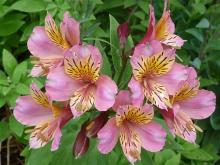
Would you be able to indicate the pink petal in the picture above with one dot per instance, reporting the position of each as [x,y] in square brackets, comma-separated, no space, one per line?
[123,98]
[169,23]
[30,113]
[70,27]
[173,41]
[201,106]
[80,52]
[57,137]
[137,92]
[181,124]
[108,137]
[152,136]
[147,49]
[82,99]
[150,33]
[105,93]
[192,77]
[171,80]
[60,86]
[36,71]
[40,45]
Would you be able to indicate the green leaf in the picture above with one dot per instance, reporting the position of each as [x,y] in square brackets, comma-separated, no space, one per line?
[29,6]
[11,98]
[2,101]
[196,63]
[204,23]
[215,120]
[10,26]
[3,79]
[40,156]
[166,156]
[106,66]
[198,154]
[195,33]
[4,131]
[19,72]
[15,126]
[116,59]
[22,89]
[9,62]
[175,160]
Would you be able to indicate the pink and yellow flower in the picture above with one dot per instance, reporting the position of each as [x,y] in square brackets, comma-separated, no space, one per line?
[155,74]
[134,127]
[80,81]
[47,44]
[163,31]
[38,110]
[189,103]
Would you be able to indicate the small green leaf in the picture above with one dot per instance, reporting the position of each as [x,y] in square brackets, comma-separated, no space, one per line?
[195,33]
[15,126]
[215,120]
[204,23]
[198,154]
[9,62]
[2,101]
[29,6]
[196,63]
[4,131]
[3,79]
[19,72]
[10,26]
[22,89]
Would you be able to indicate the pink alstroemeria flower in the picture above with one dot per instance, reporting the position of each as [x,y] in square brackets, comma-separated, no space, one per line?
[155,74]
[80,81]
[189,103]
[47,44]
[134,127]
[163,31]
[39,111]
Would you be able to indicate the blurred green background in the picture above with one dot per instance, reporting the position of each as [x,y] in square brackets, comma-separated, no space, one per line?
[197,21]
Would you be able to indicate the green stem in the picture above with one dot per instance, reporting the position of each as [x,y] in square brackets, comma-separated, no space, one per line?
[124,63]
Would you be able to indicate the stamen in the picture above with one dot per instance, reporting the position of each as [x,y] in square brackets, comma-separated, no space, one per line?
[84,70]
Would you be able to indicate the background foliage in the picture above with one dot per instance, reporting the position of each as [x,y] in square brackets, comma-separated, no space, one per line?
[197,21]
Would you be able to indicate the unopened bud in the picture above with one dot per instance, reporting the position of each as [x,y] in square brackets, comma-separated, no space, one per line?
[123,33]
[95,125]
[81,144]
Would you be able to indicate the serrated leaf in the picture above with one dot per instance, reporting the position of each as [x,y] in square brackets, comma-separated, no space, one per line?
[29,6]
[9,62]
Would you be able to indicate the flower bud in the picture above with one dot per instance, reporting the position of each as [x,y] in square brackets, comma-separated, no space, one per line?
[123,33]
[81,144]
[96,124]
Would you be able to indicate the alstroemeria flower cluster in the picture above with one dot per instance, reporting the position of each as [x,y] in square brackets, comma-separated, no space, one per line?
[75,85]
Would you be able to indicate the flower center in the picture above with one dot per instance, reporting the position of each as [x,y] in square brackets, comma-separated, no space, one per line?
[133,114]
[84,70]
